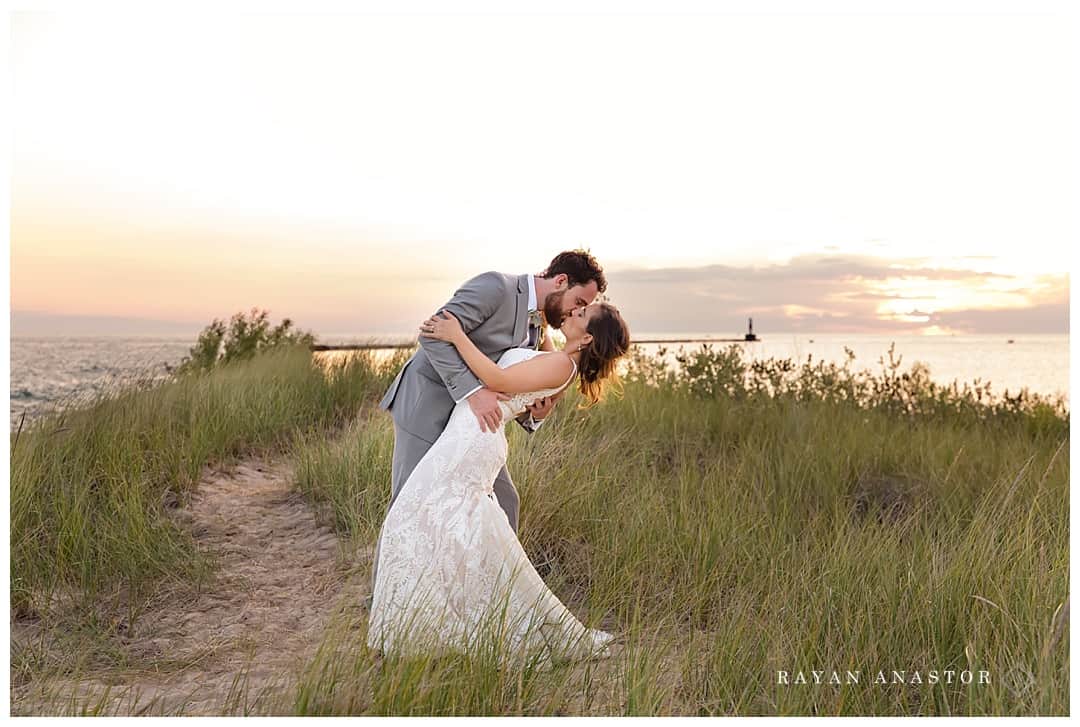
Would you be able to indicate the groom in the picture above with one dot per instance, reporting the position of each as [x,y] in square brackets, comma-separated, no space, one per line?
[497,312]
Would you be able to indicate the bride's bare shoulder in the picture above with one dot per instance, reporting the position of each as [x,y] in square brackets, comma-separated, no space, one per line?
[538,370]
[560,361]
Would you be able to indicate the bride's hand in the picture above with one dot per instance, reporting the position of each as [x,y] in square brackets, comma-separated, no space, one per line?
[447,328]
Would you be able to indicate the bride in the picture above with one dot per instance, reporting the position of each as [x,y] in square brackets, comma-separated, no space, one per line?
[452,575]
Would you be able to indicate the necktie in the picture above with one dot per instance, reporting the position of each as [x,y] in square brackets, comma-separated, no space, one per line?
[535,326]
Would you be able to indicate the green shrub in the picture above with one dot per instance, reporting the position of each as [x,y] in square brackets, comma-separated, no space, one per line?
[245,336]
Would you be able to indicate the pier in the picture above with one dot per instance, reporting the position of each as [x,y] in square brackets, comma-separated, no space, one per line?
[750,336]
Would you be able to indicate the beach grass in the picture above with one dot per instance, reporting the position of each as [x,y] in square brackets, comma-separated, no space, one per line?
[90,485]
[732,522]
[734,534]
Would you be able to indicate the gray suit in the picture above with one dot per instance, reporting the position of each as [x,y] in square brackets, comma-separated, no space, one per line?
[494,311]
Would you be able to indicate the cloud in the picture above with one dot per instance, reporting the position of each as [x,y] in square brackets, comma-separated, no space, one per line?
[841,294]
[813,293]
[1050,318]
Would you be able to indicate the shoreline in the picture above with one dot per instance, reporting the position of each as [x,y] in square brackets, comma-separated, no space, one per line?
[36,390]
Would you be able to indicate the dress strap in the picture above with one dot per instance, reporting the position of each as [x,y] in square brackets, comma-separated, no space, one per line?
[573,373]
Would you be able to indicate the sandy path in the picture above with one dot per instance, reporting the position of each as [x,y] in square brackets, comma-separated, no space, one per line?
[281,578]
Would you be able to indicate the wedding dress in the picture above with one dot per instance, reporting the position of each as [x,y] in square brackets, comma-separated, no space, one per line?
[452,574]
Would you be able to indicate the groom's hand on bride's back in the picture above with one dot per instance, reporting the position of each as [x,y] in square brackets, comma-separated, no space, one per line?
[542,407]
[485,405]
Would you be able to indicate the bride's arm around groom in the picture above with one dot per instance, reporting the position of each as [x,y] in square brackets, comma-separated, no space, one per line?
[485,307]
[436,378]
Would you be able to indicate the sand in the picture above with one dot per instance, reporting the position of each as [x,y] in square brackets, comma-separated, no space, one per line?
[281,577]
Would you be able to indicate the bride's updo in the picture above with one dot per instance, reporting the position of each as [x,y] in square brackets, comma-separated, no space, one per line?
[610,341]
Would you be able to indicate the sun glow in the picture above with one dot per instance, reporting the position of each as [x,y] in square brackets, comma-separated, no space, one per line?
[351,170]
[938,331]
[913,299]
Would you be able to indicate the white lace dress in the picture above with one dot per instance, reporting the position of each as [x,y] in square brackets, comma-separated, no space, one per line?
[452,575]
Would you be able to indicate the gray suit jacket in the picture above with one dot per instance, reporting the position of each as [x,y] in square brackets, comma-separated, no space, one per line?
[494,311]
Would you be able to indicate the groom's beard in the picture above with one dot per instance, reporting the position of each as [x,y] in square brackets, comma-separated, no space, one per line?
[553,314]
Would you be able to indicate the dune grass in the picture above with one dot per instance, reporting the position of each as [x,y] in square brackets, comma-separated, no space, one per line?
[90,485]
[728,521]
[732,529]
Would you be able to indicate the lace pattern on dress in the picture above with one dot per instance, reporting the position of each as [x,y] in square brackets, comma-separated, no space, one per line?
[452,574]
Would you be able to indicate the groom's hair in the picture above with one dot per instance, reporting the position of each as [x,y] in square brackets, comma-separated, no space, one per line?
[579,266]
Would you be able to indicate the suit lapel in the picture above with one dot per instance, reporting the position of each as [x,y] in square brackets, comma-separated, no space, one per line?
[521,319]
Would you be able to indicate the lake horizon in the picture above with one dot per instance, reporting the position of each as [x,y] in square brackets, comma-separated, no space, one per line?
[45,369]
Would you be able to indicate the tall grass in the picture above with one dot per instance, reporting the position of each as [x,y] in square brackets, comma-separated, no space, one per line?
[733,521]
[90,485]
[729,519]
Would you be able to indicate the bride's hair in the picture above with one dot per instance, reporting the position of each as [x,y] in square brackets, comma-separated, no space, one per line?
[596,365]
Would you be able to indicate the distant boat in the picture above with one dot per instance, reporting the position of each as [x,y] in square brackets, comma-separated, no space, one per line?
[811,340]
[1010,341]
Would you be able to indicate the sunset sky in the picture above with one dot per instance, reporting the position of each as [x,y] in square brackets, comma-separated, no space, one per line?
[820,172]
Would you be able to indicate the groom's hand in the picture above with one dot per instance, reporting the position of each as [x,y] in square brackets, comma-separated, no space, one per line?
[542,407]
[485,405]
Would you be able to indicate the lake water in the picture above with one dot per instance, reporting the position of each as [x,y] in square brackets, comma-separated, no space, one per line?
[1038,362]
[45,371]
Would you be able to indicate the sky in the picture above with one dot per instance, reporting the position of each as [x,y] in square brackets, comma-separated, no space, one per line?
[828,172]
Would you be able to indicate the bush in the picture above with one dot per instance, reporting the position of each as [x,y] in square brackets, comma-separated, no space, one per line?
[245,336]
[710,373]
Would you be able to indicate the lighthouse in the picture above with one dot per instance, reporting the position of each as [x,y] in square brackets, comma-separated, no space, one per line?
[750,334]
